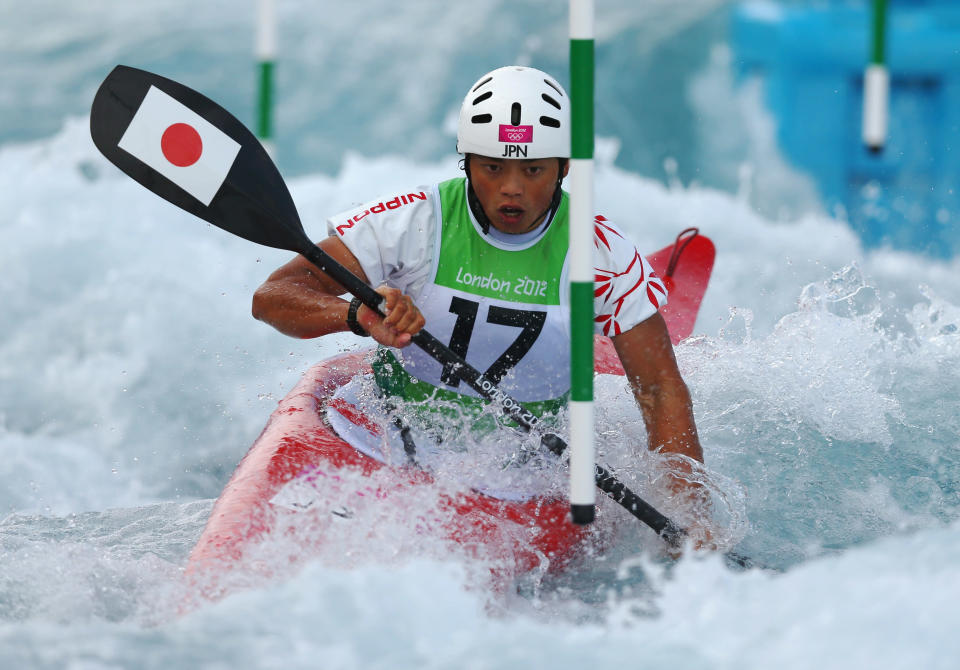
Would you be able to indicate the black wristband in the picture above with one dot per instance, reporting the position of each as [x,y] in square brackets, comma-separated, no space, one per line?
[352,322]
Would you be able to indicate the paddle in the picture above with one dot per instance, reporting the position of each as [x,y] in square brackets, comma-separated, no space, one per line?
[193,153]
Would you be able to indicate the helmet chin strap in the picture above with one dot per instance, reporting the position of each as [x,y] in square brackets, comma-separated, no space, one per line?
[482,217]
[475,205]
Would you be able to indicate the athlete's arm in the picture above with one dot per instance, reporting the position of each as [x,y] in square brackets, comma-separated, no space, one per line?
[301,301]
[647,357]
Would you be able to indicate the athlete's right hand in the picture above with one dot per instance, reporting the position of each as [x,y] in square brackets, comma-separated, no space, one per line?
[402,320]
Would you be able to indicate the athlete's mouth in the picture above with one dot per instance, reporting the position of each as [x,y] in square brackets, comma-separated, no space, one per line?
[511,212]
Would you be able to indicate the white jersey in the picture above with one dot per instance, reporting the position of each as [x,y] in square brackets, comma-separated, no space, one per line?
[395,241]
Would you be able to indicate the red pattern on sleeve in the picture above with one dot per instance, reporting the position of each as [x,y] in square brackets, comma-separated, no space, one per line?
[617,288]
[600,230]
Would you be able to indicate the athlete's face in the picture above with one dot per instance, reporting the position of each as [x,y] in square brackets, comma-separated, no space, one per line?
[515,194]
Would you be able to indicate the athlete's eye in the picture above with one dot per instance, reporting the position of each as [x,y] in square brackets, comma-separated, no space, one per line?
[534,171]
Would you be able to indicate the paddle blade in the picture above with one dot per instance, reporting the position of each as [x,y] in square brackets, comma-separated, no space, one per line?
[692,261]
[190,151]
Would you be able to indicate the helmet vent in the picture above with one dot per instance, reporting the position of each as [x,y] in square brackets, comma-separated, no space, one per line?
[548,83]
[549,121]
[485,81]
[550,100]
[482,118]
[515,114]
[482,97]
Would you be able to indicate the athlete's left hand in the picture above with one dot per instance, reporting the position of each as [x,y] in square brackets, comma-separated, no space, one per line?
[693,495]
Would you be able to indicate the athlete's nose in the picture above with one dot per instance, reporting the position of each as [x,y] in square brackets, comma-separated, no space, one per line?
[511,185]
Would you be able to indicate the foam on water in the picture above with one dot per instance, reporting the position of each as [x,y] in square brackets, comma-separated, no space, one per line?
[132,380]
[886,605]
[132,374]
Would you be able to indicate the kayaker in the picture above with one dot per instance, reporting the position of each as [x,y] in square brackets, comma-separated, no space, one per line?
[480,260]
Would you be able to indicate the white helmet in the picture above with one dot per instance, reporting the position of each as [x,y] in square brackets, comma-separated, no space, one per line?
[515,112]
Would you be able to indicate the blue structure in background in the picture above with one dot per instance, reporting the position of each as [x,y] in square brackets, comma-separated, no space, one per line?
[812,57]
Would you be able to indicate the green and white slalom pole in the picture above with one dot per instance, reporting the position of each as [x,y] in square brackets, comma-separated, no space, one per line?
[582,459]
[876,83]
[266,52]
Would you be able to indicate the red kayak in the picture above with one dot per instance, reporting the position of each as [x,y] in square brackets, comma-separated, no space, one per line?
[299,447]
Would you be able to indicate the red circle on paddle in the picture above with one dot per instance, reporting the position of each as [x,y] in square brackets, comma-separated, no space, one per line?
[181,144]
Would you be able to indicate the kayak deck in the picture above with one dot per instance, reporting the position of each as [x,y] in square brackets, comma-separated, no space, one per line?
[297,440]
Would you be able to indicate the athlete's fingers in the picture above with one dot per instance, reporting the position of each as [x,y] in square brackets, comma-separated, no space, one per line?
[418,325]
[385,330]
[410,320]
[399,309]
[389,298]
[401,318]
[402,314]
[392,304]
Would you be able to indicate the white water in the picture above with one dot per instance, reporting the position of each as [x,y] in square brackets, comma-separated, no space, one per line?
[132,379]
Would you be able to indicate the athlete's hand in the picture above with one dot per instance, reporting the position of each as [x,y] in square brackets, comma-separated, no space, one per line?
[402,320]
[693,496]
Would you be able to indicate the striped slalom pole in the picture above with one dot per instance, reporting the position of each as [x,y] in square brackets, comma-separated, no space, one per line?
[582,459]
[876,83]
[266,52]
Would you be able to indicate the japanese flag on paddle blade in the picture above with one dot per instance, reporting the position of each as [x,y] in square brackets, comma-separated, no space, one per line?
[180,144]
